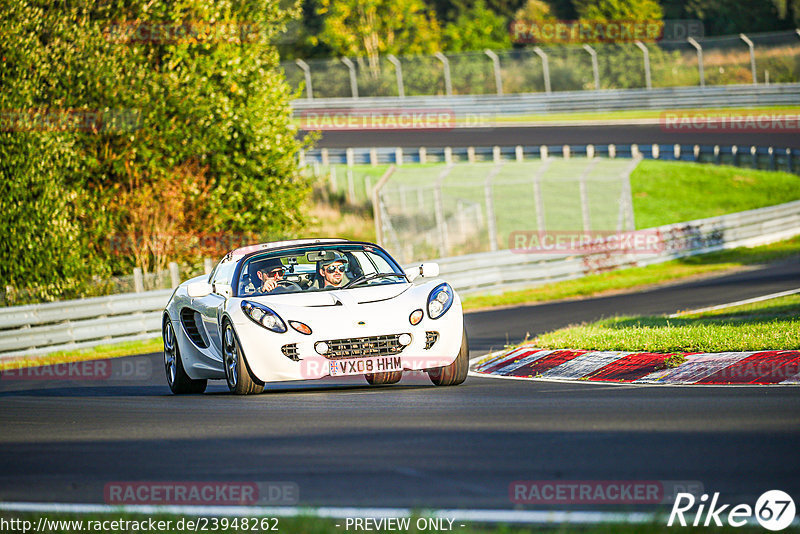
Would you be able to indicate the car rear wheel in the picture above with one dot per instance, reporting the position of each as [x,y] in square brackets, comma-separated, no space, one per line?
[177,379]
[379,379]
[237,374]
[456,372]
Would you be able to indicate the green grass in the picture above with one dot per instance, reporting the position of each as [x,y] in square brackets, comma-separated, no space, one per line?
[100,352]
[639,277]
[670,192]
[313,525]
[767,325]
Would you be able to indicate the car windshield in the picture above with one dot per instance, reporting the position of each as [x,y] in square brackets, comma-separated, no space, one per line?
[318,268]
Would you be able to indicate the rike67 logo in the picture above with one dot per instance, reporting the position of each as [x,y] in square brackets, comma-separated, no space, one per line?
[774,510]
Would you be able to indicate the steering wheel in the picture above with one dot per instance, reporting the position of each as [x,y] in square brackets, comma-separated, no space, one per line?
[288,284]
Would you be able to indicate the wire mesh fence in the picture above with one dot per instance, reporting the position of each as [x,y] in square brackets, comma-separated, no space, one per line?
[450,210]
[713,61]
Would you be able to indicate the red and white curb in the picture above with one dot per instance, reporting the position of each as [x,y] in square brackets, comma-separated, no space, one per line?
[761,367]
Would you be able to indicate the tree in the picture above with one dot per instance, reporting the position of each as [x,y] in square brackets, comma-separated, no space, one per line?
[166,88]
[629,10]
[370,28]
[477,28]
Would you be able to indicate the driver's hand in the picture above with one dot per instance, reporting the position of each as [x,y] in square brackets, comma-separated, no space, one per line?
[269,285]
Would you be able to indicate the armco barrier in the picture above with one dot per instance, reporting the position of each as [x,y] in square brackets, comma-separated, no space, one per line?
[573,101]
[756,157]
[42,328]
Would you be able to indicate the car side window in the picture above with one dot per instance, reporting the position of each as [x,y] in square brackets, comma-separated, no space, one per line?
[223,275]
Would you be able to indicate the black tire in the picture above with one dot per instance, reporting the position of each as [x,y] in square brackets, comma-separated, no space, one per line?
[455,373]
[237,374]
[380,379]
[177,379]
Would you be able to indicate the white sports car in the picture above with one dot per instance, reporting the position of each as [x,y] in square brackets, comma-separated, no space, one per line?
[307,309]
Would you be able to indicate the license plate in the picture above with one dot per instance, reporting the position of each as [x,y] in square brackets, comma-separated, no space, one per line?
[360,366]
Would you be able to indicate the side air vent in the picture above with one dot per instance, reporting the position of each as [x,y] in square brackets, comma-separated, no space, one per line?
[190,320]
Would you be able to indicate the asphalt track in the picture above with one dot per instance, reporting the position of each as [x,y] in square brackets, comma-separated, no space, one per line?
[553,135]
[413,444]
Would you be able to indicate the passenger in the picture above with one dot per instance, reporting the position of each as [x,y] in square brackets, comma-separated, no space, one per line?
[332,271]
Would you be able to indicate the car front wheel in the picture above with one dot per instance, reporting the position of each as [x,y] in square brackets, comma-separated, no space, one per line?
[177,379]
[240,380]
[456,372]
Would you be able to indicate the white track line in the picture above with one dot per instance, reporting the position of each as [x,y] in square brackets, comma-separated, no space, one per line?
[737,303]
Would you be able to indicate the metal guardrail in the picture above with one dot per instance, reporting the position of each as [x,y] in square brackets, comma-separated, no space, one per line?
[41,328]
[757,157]
[507,270]
[571,101]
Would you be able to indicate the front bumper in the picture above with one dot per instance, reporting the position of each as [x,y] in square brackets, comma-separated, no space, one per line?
[269,360]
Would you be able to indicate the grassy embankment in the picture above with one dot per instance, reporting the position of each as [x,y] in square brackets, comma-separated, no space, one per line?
[768,325]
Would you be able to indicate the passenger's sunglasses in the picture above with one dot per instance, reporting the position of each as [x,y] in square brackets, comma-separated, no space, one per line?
[333,268]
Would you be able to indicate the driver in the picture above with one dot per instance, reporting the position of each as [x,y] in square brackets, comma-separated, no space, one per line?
[270,272]
[332,271]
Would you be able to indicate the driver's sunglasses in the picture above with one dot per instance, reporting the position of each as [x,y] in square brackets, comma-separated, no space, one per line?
[276,272]
[333,268]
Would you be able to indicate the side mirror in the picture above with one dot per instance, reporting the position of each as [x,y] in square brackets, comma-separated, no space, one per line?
[199,289]
[429,270]
[425,270]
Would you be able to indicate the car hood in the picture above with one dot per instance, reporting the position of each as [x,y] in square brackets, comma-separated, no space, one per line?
[334,297]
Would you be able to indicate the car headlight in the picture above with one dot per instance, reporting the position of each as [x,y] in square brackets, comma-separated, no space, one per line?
[263,316]
[440,300]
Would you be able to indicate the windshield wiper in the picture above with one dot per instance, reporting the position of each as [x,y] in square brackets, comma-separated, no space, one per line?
[367,278]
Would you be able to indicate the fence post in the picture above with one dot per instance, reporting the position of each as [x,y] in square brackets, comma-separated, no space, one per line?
[351,187]
[324,156]
[376,208]
[448,155]
[647,81]
[749,44]
[699,49]
[423,155]
[398,70]
[398,155]
[307,73]
[587,223]
[174,274]
[498,79]
[471,154]
[373,156]
[349,156]
[518,152]
[595,67]
[448,84]
[545,67]
[538,201]
[496,154]
[438,208]
[138,280]
[491,221]
[353,81]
